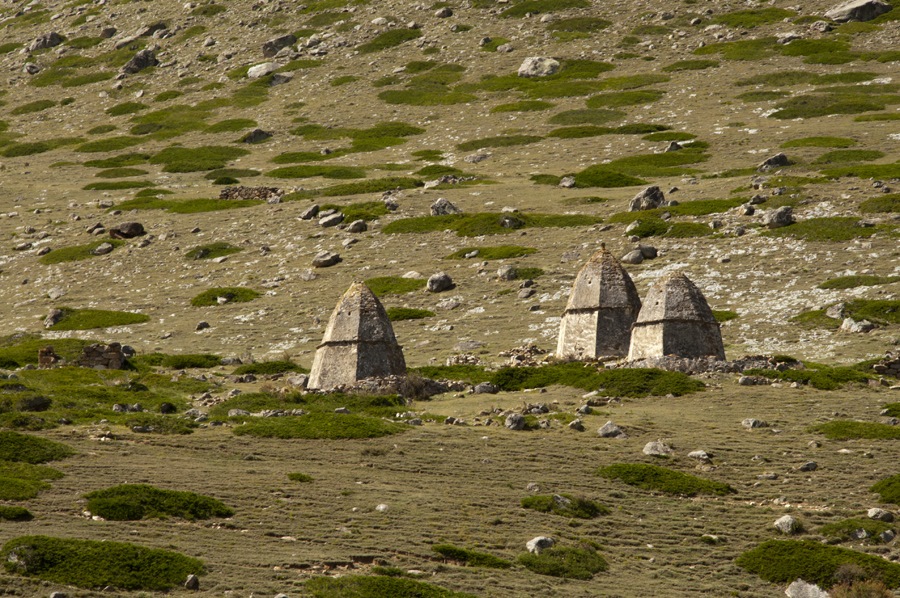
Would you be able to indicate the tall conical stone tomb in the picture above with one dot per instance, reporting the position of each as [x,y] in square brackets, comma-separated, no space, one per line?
[675,319]
[602,307]
[359,343]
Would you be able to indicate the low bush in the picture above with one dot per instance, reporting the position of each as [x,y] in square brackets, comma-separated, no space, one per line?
[833,228]
[368,186]
[91,564]
[368,210]
[885,204]
[858,280]
[125,108]
[849,529]
[501,141]
[19,489]
[474,225]
[783,561]
[118,173]
[190,360]
[32,107]
[565,505]
[619,99]
[470,557]
[211,251]
[268,368]
[15,514]
[131,502]
[398,314]
[26,448]
[632,382]
[819,142]
[231,125]
[183,159]
[304,171]
[661,479]
[762,96]
[520,9]
[724,315]
[598,116]
[117,185]
[888,489]
[880,311]
[747,19]
[153,201]
[394,285]
[818,376]
[88,319]
[300,477]
[852,430]
[320,425]
[472,374]
[523,106]
[499,252]
[130,159]
[567,562]
[110,144]
[376,586]
[865,171]
[75,253]
[150,423]
[848,155]
[230,294]
[388,39]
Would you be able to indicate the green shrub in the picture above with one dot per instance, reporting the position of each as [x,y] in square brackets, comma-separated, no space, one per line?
[818,376]
[388,39]
[131,159]
[501,141]
[753,18]
[19,489]
[783,561]
[31,449]
[850,430]
[125,108]
[472,374]
[110,144]
[834,228]
[866,171]
[661,479]
[470,557]
[117,185]
[473,225]
[117,173]
[859,280]
[597,116]
[208,10]
[848,155]
[394,285]
[523,106]
[232,294]
[885,204]
[368,186]
[499,252]
[565,561]
[91,564]
[32,107]
[231,172]
[319,425]
[378,586]
[540,6]
[624,98]
[75,253]
[724,315]
[425,97]
[307,171]
[88,319]
[160,424]
[268,368]
[131,502]
[578,25]
[398,314]
[182,159]
[847,529]
[300,477]
[815,105]
[819,142]
[565,505]
[190,361]
[632,382]
[211,250]
[15,514]
[888,489]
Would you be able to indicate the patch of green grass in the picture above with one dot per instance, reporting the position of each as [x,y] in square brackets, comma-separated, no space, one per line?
[120,161]
[208,10]
[394,285]
[343,80]
[388,39]
[495,43]
[565,561]
[15,514]
[474,225]
[499,252]
[26,448]
[19,489]
[633,382]
[852,430]
[724,315]
[859,280]
[669,136]
[125,108]
[132,502]
[885,204]
[92,564]
[368,186]
[118,173]
[231,172]
[117,185]
[21,349]
[183,206]
[75,253]
[867,171]
[32,107]
[398,314]
[523,106]
[877,117]
[304,171]
[848,529]
[819,142]
[189,361]
[844,156]
[165,96]
[320,425]
[367,210]
[581,25]
[835,228]
[747,19]
[783,561]
[182,159]
[565,505]
[110,144]
[690,65]
[500,141]
[888,489]
[662,479]
[820,104]
[211,250]
[300,477]
[617,99]
[818,376]
[232,294]
[472,374]
[743,50]
[88,319]
[815,318]
[8,47]
[101,129]
[762,96]
[268,368]
[597,116]
[376,586]
[885,311]
[469,557]
[651,30]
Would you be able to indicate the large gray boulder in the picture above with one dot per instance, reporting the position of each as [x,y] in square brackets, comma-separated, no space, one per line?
[439,282]
[538,66]
[271,47]
[648,199]
[858,10]
[140,61]
[48,40]
[443,207]
[783,216]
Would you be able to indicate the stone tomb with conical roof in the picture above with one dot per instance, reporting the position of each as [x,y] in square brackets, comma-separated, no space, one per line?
[675,319]
[602,307]
[359,343]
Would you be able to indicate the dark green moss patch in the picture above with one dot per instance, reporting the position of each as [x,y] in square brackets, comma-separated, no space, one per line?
[132,502]
[182,159]
[884,204]
[26,448]
[397,314]
[471,558]
[230,294]
[75,253]
[851,430]
[835,228]
[783,561]
[394,285]
[888,489]
[15,514]
[388,39]
[859,280]
[855,529]
[91,564]
[269,368]
[565,505]
[376,586]
[499,252]
[662,479]
[88,319]
[848,155]
[632,382]
[565,561]
[320,425]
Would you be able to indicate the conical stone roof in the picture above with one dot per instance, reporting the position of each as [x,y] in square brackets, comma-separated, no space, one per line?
[359,342]
[601,310]
[675,319]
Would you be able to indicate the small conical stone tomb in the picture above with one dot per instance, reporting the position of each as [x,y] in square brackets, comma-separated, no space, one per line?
[359,343]
[675,320]
[602,307]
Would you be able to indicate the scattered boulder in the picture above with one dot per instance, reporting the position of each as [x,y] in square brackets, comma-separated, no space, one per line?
[357,226]
[859,326]
[140,61]
[486,388]
[657,448]
[192,582]
[443,207]
[801,589]
[751,423]
[634,257]
[809,466]
[326,259]
[788,525]
[783,216]
[699,455]
[331,220]
[127,230]
[256,136]
[515,421]
[271,47]
[439,282]
[48,40]
[507,272]
[443,13]
[310,212]
[611,430]
[53,318]
[648,199]
[261,70]
[103,249]
[538,66]
[880,515]
[536,545]
[858,10]
[776,161]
